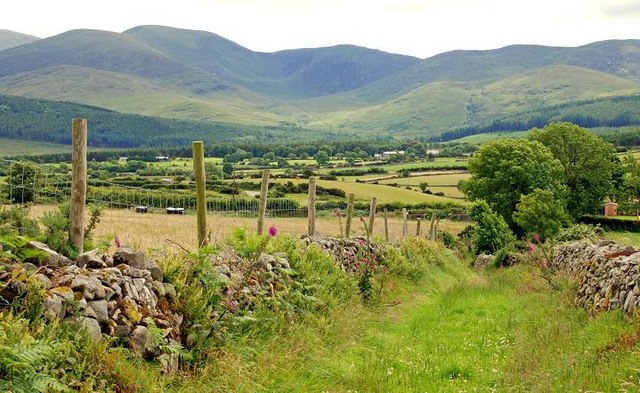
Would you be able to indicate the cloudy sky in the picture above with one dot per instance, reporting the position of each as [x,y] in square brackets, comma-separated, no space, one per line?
[420,28]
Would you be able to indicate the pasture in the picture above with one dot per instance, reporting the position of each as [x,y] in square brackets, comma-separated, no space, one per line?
[159,231]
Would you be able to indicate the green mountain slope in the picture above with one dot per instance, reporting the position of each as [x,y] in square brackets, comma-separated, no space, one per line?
[200,76]
[133,94]
[44,120]
[286,74]
[9,39]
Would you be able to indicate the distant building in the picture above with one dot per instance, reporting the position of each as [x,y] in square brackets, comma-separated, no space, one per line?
[123,159]
[162,158]
[610,209]
[389,154]
[433,152]
[377,156]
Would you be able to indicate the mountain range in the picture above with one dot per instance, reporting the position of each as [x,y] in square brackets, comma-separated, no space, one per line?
[200,76]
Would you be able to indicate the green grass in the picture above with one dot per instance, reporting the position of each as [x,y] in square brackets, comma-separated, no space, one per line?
[445,179]
[467,331]
[385,194]
[624,237]
[479,139]
[15,147]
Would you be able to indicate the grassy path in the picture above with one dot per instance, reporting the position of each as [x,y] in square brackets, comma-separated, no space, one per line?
[464,331]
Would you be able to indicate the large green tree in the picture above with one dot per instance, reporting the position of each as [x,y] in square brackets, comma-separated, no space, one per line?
[503,170]
[542,213]
[587,161]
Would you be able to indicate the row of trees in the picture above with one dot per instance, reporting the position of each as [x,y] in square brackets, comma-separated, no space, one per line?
[558,174]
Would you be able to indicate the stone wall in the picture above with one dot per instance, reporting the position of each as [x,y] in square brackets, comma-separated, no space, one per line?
[121,295]
[608,274]
[348,253]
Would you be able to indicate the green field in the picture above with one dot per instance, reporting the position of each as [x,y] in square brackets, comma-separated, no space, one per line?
[16,147]
[364,191]
[482,138]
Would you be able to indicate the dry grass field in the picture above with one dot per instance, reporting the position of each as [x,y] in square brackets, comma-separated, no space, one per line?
[171,232]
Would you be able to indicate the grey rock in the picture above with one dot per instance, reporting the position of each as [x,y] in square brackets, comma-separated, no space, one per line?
[91,259]
[100,307]
[141,342]
[91,326]
[134,272]
[89,313]
[158,288]
[65,293]
[50,257]
[152,267]
[223,270]
[53,308]
[123,327]
[129,256]
[43,280]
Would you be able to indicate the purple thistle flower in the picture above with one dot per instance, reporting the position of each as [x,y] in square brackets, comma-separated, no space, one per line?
[273,230]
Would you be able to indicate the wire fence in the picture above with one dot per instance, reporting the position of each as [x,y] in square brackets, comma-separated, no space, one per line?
[28,183]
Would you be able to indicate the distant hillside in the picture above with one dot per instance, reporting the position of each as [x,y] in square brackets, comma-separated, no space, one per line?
[9,39]
[612,112]
[200,76]
[43,120]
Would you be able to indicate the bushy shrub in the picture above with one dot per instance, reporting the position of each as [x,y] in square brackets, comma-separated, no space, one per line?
[414,257]
[16,220]
[491,231]
[580,231]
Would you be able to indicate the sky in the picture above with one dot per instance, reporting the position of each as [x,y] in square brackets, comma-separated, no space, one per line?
[412,27]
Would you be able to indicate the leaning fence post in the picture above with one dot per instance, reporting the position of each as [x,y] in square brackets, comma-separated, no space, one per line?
[418,221]
[201,196]
[386,226]
[347,230]
[312,206]
[372,214]
[262,210]
[78,182]
[405,228]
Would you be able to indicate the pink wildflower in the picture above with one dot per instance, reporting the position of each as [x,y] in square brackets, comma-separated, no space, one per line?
[530,249]
[337,212]
[384,269]
[536,238]
[362,219]
[117,241]
[273,230]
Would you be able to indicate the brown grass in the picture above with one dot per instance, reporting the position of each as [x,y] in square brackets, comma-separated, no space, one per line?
[163,232]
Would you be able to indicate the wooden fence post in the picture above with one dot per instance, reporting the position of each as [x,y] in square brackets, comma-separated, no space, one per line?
[435,232]
[372,214]
[78,182]
[386,226]
[431,228]
[312,206]
[347,230]
[418,226]
[201,196]
[264,188]
[405,228]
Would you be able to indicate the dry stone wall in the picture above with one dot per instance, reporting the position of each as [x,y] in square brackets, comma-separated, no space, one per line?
[608,274]
[121,295]
[348,253]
